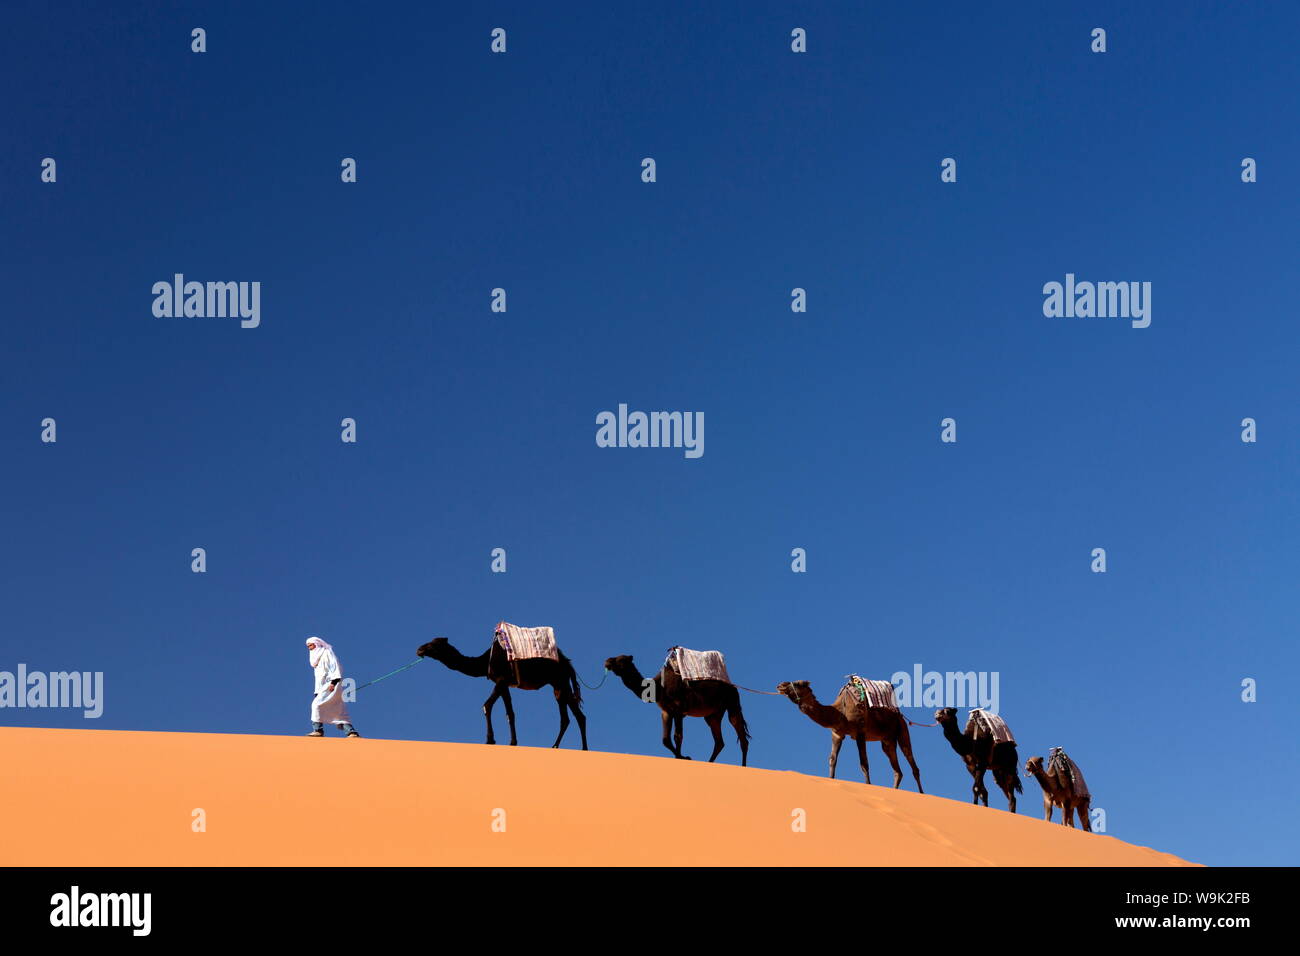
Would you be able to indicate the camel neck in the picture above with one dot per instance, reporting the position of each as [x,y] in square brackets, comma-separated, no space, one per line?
[633,680]
[471,666]
[960,742]
[815,709]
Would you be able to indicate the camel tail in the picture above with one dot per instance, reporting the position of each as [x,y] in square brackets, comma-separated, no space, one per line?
[737,716]
[574,686]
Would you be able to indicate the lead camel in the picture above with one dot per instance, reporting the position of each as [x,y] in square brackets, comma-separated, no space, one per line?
[531,674]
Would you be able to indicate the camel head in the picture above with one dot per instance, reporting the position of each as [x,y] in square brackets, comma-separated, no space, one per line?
[1034,766]
[621,666]
[948,715]
[798,690]
[436,648]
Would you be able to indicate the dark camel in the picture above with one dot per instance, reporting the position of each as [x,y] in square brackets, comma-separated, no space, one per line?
[532,674]
[678,699]
[849,717]
[1060,790]
[980,754]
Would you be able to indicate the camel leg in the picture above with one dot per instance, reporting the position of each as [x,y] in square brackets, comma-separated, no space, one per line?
[668,732]
[487,710]
[1047,808]
[578,716]
[905,743]
[564,716]
[1085,814]
[715,725]
[1009,788]
[862,757]
[890,748]
[742,733]
[510,713]
[980,791]
[836,741]
[677,736]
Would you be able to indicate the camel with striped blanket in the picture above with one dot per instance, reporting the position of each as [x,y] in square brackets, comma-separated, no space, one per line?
[529,674]
[850,716]
[679,698]
[981,751]
[1063,786]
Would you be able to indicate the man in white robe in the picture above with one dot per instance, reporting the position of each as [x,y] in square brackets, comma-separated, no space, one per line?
[327,704]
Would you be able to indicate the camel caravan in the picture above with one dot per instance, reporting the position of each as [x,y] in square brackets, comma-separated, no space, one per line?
[693,683]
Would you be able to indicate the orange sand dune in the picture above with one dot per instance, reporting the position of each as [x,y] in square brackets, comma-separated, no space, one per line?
[94,797]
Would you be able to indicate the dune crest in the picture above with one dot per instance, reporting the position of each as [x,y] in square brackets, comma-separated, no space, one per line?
[124,798]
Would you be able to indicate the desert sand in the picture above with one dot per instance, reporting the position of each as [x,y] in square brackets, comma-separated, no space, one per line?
[121,798]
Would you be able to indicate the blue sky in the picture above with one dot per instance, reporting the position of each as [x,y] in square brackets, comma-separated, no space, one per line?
[476,429]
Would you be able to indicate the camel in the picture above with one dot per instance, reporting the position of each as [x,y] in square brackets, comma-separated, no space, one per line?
[677,699]
[849,717]
[980,753]
[1062,789]
[529,674]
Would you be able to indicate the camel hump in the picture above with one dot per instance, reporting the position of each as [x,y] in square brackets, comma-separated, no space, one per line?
[1065,770]
[527,643]
[983,723]
[872,693]
[698,665]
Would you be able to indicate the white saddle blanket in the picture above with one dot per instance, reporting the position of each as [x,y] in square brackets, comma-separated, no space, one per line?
[992,724]
[526,643]
[699,665]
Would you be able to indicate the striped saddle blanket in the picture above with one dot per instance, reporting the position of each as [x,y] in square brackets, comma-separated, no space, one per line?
[526,643]
[991,724]
[873,693]
[698,665]
[1066,772]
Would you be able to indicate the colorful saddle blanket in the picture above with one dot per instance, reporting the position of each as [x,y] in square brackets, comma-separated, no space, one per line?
[873,693]
[1066,772]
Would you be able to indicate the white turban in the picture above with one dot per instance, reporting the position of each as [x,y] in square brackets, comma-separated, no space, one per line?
[314,653]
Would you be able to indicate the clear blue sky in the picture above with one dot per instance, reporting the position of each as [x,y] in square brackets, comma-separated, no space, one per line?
[476,430]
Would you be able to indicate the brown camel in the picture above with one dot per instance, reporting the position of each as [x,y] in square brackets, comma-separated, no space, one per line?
[1062,787]
[678,699]
[530,674]
[849,717]
[980,753]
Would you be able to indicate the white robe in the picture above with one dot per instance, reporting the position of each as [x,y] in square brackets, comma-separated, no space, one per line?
[327,706]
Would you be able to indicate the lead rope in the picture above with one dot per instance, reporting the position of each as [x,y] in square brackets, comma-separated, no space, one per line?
[389,674]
